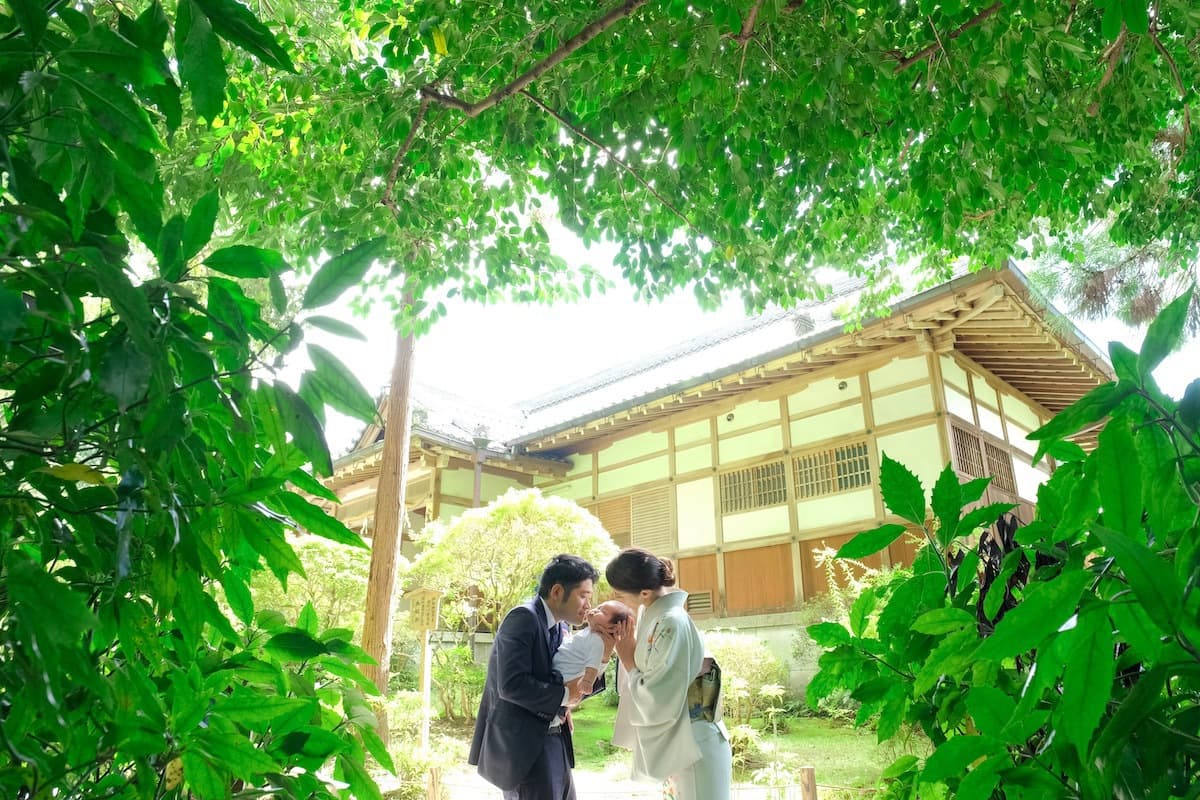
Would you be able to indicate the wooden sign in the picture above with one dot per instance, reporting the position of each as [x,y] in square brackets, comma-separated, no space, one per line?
[423,607]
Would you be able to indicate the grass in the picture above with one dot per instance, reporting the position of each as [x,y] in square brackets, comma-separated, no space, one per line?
[840,754]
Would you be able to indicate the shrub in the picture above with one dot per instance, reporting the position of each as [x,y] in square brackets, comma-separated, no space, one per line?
[746,667]
[459,682]
[750,752]
[1059,658]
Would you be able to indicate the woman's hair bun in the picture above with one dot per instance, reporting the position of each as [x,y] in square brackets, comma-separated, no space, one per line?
[667,571]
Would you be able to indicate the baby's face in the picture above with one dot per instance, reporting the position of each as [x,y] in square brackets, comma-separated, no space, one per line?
[601,617]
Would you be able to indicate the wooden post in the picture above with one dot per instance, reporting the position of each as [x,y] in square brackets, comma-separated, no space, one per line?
[386,528]
[423,616]
[808,783]
[433,785]
[426,680]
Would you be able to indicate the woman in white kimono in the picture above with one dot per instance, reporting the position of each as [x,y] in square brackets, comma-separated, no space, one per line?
[672,740]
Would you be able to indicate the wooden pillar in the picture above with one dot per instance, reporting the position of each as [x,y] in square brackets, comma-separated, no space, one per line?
[389,517]
[808,783]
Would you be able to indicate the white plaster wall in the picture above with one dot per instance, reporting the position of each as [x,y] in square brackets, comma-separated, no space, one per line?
[1028,479]
[822,393]
[652,469]
[695,432]
[845,507]
[898,371]
[578,489]
[954,375]
[747,415]
[989,421]
[847,421]
[755,524]
[1020,412]
[959,404]
[695,505]
[748,445]
[918,449]
[634,446]
[904,404]
[691,459]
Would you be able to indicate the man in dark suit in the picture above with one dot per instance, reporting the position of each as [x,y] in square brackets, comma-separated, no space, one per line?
[522,741]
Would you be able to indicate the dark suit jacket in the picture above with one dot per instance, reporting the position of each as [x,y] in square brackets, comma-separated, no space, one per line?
[521,697]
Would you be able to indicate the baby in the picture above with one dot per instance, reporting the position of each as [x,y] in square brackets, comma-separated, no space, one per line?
[587,652]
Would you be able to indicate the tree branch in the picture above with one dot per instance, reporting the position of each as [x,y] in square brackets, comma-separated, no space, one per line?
[747,32]
[394,172]
[929,50]
[1113,55]
[1187,116]
[613,156]
[590,31]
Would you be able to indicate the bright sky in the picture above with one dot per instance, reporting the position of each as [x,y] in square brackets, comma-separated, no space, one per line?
[501,353]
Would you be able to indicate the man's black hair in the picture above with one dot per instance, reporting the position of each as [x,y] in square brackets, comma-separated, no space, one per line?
[568,570]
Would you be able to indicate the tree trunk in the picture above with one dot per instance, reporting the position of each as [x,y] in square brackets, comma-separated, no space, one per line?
[389,518]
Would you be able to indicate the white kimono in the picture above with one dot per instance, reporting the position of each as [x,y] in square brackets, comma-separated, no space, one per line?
[652,718]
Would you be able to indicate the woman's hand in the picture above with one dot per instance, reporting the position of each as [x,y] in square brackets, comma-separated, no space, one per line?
[626,643]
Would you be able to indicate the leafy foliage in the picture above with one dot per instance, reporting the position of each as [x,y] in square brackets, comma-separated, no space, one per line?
[1061,659]
[488,560]
[149,460]
[731,143]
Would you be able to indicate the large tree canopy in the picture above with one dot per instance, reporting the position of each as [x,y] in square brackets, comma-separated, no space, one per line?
[723,144]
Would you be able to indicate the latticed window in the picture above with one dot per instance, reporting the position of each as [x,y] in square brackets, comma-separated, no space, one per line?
[1000,467]
[835,469]
[968,456]
[753,487]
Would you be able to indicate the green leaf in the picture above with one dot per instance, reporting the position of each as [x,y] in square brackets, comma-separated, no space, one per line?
[251,707]
[125,374]
[954,755]
[860,612]
[338,386]
[1092,407]
[1136,15]
[983,516]
[201,65]
[1044,608]
[944,620]
[336,327]
[307,621]
[376,747]
[1119,476]
[947,504]
[295,645]
[1087,680]
[12,314]
[31,16]
[1166,331]
[170,249]
[828,634]
[306,431]
[872,541]
[990,708]
[117,111]
[316,521]
[198,229]
[1153,581]
[237,593]
[1189,406]
[340,273]
[279,298]
[1125,363]
[204,779]
[237,24]
[902,491]
[362,785]
[75,473]
[244,261]
[900,766]
[307,483]
[236,753]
